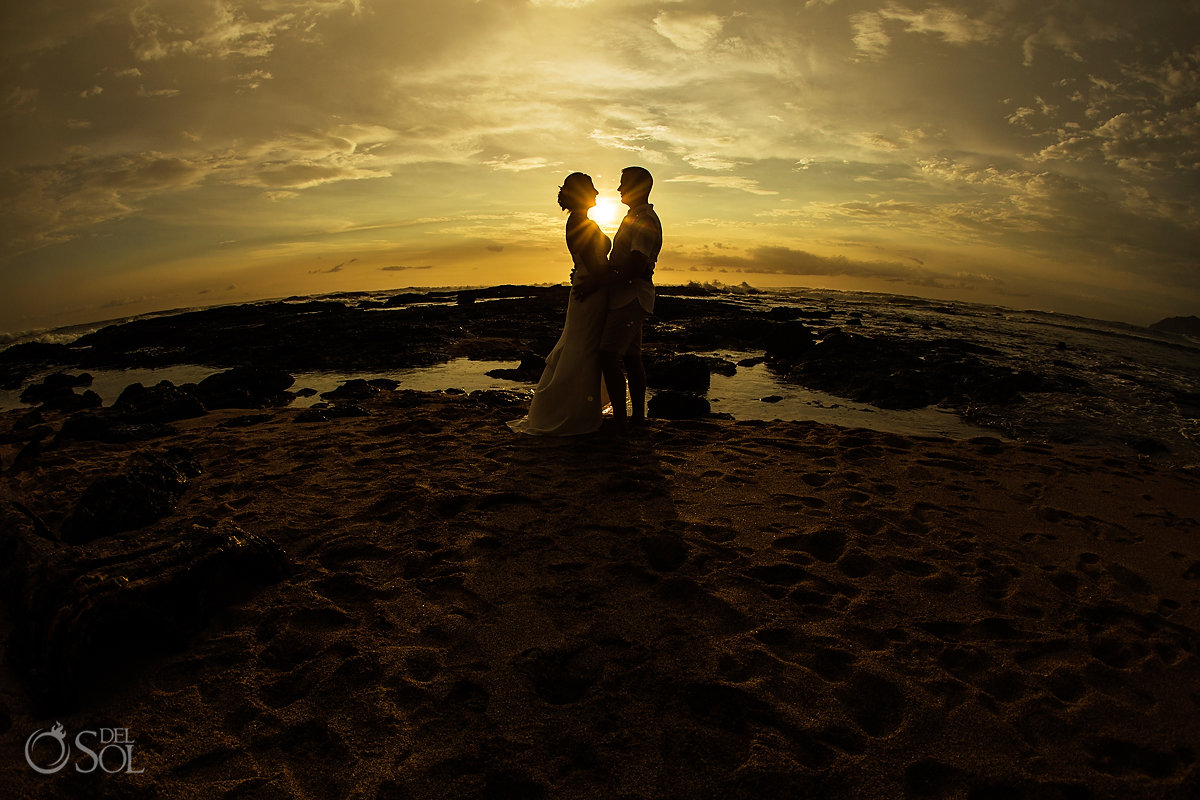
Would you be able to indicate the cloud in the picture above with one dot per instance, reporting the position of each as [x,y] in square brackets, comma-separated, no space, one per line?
[123,301]
[723,182]
[334,269]
[872,40]
[688,31]
[506,163]
[1068,31]
[781,260]
[50,204]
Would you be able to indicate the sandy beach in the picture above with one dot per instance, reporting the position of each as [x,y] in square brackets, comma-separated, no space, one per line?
[701,609]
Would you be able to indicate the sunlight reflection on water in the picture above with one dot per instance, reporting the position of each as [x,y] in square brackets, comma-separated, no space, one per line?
[739,395]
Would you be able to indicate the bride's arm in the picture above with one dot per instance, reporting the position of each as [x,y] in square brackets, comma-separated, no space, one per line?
[594,256]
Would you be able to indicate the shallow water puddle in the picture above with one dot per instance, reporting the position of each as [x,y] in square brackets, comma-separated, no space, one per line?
[740,395]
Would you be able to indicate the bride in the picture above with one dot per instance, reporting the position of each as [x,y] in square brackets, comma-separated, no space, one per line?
[570,394]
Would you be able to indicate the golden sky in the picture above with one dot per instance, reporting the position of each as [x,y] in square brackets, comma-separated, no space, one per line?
[1028,153]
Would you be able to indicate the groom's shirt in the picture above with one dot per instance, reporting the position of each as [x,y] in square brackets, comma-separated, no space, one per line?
[641,230]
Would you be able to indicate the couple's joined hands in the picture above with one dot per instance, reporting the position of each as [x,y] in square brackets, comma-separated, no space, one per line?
[637,266]
[588,285]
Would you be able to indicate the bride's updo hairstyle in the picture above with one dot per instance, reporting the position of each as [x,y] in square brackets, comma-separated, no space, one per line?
[577,193]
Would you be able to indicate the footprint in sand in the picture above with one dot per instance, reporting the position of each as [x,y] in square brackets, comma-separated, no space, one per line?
[826,544]
[562,676]
[874,702]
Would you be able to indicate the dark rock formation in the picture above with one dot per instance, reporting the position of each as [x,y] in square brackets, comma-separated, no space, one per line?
[1185,325]
[28,427]
[686,372]
[147,489]
[106,426]
[56,392]
[19,362]
[786,341]
[335,411]
[529,370]
[901,373]
[497,398]
[668,404]
[789,313]
[82,612]
[163,402]
[246,387]
[361,389]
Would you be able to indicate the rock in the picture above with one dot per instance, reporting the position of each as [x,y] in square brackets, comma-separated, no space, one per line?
[20,361]
[360,389]
[790,313]
[529,370]
[246,387]
[668,404]
[1148,446]
[30,419]
[721,366]
[55,381]
[771,398]
[57,393]
[787,341]
[163,402]
[687,372]
[108,603]
[1186,325]
[353,389]
[106,426]
[497,398]
[146,490]
[336,411]
[902,373]
[246,420]
[21,434]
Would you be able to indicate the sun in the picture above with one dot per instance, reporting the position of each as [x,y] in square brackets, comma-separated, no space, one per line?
[607,211]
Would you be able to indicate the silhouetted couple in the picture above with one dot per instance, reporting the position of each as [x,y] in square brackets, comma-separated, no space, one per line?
[611,295]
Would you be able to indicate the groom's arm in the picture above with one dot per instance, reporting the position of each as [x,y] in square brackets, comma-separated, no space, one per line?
[638,265]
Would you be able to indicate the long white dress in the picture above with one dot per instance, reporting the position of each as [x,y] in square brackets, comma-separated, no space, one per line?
[570,395]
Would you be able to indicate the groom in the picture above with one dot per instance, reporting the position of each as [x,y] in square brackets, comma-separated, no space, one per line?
[635,249]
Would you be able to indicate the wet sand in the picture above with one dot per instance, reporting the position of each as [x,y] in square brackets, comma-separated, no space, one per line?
[705,609]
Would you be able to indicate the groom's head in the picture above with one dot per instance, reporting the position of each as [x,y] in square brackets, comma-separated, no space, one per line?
[635,187]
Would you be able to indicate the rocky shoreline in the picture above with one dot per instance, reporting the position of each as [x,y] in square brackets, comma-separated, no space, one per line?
[814,343]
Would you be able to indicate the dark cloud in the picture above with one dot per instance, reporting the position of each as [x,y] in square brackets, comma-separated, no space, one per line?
[335,268]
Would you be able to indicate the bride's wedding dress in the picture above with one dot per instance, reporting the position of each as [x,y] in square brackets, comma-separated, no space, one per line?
[570,395]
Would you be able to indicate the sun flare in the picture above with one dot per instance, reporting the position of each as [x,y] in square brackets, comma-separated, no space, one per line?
[607,212]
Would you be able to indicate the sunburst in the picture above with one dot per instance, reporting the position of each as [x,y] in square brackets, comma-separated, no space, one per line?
[607,212]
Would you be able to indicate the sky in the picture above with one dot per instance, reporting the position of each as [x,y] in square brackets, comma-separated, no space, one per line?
[1025,153]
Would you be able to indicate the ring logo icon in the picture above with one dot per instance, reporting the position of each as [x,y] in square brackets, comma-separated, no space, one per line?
[108,749]
[59,735]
